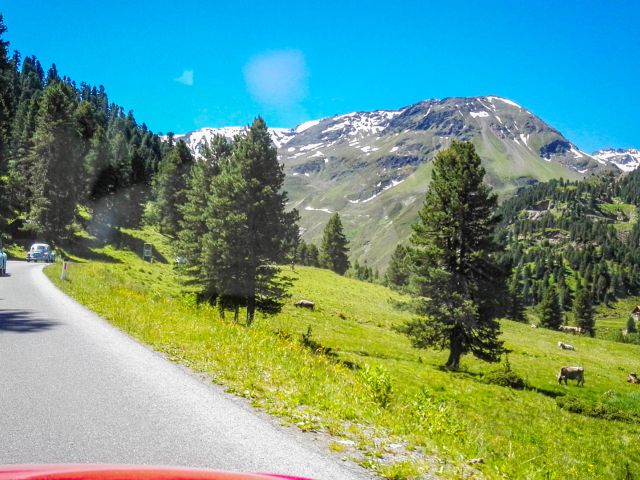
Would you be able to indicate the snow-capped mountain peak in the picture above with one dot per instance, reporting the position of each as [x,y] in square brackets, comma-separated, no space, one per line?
[626,160]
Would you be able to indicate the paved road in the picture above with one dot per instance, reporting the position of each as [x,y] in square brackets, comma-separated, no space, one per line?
[74,389]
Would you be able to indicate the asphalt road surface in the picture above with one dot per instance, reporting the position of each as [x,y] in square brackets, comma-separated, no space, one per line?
[73,389]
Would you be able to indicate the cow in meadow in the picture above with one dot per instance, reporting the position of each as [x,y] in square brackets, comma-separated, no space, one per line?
[571,373]
[305,304]
[570,329]
[565,346]
[633,378]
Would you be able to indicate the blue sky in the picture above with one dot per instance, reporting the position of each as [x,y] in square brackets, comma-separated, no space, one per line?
[184,65]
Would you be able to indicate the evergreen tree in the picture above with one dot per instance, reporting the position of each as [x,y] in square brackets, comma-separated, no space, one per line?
[515,307]
[452,250]
[301,253]
[313,255]
[7,99]
[397,275]
[583,311]
[333,252]
[171,186]
[551,310]
[247,226]
[56,184]
[193,222]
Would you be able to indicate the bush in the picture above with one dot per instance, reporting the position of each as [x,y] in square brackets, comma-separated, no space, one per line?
[596,409]
[378,384]
[506,377]
[435,416]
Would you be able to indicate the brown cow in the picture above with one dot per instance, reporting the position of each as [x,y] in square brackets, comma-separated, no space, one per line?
[305,304]
[570,329]
[633,378]
[571,373]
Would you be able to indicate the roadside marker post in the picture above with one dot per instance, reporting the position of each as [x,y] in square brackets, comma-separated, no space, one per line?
[63,274]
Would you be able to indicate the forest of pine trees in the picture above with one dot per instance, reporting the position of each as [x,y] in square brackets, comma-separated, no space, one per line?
[560,233]
[63,145]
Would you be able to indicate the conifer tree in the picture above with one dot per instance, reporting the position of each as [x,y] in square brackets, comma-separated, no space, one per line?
[171,186]
[56,184]
[7,100]
[333,252]
[551,310]
[301,253]
[313,255]
[515,308]
[452,252]
[198,190]
[247,226]
[583,311]
[397,275]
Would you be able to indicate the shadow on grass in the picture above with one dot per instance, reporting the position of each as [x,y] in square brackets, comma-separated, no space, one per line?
[23,321]
[547,393]
[83,251]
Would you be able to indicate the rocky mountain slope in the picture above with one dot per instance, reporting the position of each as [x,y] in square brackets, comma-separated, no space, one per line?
[374,167]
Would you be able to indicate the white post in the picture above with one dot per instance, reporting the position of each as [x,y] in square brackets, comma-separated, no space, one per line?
[63,274]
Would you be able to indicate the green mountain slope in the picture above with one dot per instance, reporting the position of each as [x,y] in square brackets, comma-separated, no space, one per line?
[373,167]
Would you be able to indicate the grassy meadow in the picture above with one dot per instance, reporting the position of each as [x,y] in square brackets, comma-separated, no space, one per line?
[344,370]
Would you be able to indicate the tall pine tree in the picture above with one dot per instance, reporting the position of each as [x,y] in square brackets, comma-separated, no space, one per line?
[550,309]
[247,226]
[452,251]
[399,269]
[171,186]
[334,247]
[193,222]
[583,311]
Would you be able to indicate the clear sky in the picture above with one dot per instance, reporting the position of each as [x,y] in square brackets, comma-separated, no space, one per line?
[189,64]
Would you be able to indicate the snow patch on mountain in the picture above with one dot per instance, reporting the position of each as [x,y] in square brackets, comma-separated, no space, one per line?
[311,209]
[505,100]
[195,140]
[306,125]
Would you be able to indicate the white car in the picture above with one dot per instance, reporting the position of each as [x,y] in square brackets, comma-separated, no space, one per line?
[40,251]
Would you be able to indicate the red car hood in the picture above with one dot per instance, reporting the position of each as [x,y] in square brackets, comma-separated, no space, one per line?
[123,472]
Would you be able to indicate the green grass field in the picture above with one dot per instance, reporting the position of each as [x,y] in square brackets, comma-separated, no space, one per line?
[387,405]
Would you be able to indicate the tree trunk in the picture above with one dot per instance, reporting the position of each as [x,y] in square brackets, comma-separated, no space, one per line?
[455,351]
[251,309]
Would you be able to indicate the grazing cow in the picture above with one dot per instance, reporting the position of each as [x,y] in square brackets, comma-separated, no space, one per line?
[533,325]
[305,304]
[565,346]
[571,373]
[570,329]
[633,378]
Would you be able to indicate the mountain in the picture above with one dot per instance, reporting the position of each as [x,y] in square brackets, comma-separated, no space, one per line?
[374,167]
[626,160]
